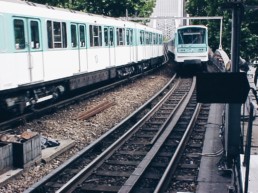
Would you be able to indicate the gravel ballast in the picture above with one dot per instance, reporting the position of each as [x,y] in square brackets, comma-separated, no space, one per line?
[64,125]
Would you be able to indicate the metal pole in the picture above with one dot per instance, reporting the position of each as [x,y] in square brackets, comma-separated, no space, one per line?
[233,128]
[246,161]
[220,35]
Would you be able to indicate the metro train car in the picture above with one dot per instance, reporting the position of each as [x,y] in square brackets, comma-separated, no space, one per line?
[189,48]
[46,51]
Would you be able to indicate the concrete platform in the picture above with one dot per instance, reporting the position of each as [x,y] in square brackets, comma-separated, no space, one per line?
[9,175]
[210,178]
[51,152]
[253,174]
[47,155]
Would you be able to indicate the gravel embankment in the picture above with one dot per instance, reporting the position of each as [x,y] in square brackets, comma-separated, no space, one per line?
[62,124]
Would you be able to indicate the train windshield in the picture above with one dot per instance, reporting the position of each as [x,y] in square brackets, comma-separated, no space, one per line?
[191,36]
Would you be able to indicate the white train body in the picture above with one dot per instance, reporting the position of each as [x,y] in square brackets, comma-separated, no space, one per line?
[190,45]
[41,47]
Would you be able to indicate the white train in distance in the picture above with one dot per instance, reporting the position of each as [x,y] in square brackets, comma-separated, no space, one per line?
[189,48]
[46,51]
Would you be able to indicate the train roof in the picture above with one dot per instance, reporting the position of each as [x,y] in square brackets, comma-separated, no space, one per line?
[25,8]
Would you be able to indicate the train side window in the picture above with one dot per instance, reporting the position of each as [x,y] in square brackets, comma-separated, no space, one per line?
[129,37]
[64,35]
[74,36]
[142,37]
[156,40]
[82,36]
[106,36]
[95,36]
[120,36]
[49,33]
[19,34]
[147,38]
[2,43]
[34,30]
[151,38]
[57,36]
[111,36]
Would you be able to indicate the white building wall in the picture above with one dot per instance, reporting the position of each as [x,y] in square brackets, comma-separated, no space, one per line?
[167,8]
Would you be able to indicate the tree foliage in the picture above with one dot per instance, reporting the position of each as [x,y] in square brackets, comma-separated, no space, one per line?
[249,32]
[114,8]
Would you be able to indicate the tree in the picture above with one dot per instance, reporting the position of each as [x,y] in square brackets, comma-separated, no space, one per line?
[114,8]
[249,33]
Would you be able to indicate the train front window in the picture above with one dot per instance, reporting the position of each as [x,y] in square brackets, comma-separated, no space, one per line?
[191,36]
[19,34]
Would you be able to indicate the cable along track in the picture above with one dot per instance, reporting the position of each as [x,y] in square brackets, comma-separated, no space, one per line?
[113,159]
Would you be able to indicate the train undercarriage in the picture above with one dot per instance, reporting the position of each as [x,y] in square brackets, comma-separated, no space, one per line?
[16,101]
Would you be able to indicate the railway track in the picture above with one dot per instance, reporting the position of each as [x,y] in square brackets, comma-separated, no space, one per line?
[115,161]
[183,175]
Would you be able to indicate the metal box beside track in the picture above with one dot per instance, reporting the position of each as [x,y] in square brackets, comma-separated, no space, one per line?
[6,157]
[27,152]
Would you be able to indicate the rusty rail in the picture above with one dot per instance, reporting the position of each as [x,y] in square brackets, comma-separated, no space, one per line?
[95,110]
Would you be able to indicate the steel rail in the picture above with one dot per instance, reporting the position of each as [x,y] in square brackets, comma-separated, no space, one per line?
[80,177]
[164,178]
[139,171]
[87,149]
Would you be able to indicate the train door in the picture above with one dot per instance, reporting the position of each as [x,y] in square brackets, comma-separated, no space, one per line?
[78,38]
[129,43]
[28,43]
[110,43]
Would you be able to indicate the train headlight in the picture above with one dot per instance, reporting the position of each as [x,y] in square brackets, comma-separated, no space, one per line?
[182,50]
[201,50]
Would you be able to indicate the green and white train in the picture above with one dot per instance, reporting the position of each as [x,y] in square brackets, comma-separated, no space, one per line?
[189,47]
[46,51]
